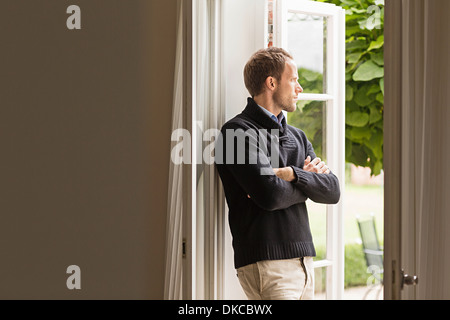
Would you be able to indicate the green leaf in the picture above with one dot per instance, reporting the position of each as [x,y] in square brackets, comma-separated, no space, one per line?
[376,144]
[379,124]
[352,17]
[348,148]
[360,133]
[354,57]
[357,44]
[375,88]
[377,44]
[382,85]
[368,71]
[358,156]
[376,169]
[380,98]
[349,69]
[362,97]
[356,10]
[351,106]
[348,92]
[375,114]
[357,119]
[348,76]
[378,58]
[349,2]
[351,30]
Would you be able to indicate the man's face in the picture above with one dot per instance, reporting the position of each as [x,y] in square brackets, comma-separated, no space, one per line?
[286,94]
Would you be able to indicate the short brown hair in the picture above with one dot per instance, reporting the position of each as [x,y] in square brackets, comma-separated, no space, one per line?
[269,62]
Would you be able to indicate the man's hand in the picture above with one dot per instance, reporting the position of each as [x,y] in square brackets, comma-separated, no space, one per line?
[316,165]
[286,173]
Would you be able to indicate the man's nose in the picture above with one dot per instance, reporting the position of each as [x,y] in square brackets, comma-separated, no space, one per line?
[299,88]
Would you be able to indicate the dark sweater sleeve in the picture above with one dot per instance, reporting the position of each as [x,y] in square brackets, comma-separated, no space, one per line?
[319,187]
[250,167]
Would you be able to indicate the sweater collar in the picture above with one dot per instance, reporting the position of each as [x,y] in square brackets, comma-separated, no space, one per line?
[255,112]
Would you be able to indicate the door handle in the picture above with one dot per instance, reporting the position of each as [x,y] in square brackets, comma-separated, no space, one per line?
[409,280]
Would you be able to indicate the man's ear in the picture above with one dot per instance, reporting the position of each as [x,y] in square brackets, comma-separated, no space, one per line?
[271,83]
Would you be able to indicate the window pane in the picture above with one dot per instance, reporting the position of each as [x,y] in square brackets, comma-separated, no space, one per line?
[307,43]
[270,12]
[317,214]
[310,117]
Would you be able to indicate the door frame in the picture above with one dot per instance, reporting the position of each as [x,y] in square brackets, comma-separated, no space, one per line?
[393,153]
[218,257]
[202,240]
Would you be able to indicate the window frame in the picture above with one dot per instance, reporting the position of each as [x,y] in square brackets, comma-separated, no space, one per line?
[335,123]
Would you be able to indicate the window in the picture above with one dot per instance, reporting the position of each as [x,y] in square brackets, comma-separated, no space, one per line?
[314,33]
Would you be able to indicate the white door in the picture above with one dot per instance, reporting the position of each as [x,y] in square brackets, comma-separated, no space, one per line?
[253,24]
[416,126]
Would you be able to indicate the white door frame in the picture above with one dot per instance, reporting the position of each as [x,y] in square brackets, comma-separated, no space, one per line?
[202,239]
[231,99]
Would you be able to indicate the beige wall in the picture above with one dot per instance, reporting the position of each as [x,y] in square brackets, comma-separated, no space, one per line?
[85,121]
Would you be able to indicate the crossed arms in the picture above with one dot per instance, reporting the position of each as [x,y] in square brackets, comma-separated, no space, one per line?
[314,179]
[286,186]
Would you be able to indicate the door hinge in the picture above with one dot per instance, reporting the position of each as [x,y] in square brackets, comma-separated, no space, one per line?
[393,271]
[184,248]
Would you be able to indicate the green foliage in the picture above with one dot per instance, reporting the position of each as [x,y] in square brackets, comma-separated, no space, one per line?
[309,114]
[364,86]
[355,266]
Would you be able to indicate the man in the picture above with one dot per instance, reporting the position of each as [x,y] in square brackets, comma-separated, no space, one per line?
[272,241]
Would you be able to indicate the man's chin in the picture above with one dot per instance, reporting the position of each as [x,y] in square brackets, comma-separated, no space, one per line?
[291,108]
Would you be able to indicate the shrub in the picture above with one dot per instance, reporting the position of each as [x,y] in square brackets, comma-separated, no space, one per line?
[355,267]
[364,82]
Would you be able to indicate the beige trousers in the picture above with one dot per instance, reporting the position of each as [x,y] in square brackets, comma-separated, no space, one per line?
[289,279]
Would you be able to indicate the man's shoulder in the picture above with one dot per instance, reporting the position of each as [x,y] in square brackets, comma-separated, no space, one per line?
[240,121]
[297,132]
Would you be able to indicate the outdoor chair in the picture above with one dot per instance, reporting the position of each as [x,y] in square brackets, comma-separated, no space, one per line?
[373,252]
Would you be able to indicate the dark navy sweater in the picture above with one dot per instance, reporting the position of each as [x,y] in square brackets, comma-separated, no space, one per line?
[268,217]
